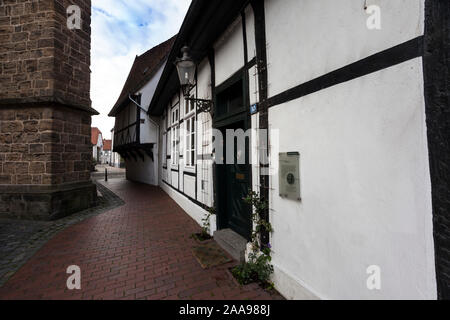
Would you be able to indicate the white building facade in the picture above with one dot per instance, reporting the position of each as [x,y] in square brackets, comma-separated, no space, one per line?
[97,144]
[115,158]
[354,100]
[135,132]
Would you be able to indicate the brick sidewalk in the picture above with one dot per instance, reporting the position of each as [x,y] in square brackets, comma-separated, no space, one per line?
[141,250]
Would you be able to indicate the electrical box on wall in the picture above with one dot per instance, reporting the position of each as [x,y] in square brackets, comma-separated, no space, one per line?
[289,175]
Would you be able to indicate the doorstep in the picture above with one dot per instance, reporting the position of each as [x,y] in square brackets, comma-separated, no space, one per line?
[233,243]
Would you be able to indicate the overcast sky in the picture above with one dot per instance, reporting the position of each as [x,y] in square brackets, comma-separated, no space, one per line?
[122,29]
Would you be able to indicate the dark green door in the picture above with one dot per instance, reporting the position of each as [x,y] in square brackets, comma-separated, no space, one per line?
[236,186]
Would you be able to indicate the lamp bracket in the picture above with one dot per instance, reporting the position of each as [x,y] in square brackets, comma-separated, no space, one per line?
[203,105]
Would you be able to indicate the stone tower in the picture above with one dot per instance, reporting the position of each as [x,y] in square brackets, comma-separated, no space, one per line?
[45,109]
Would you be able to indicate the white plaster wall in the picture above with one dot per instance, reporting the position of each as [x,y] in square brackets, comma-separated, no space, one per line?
[229,52]
[204,80]
[148,90]
[205,172]
[141,171]
[100,141]
[309,38]
[253,85]
[174,180]
[149,129]
[189,186]
[115,159]
[255,154]
[366,194]
[204,146]
[250,31]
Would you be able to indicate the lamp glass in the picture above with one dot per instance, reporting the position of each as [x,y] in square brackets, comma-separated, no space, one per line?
[186,71]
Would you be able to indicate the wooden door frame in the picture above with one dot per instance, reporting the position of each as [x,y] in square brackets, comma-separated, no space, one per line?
[220,194]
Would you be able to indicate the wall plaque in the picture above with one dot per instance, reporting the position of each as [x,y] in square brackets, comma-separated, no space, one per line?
[289,176]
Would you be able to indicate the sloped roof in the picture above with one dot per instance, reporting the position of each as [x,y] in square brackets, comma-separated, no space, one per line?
[107,145]
[95,132]
[144,68]
[205,22]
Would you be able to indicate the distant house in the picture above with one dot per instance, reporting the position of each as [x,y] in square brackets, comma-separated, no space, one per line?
[116,159]
[135,135]
[106,153]
[97,144]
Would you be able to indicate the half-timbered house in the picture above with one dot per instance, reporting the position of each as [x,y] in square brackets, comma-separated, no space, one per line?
[354,151]
[97,144]
[135,132]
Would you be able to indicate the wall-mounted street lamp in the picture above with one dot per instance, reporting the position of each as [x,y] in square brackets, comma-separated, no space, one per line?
[186,68]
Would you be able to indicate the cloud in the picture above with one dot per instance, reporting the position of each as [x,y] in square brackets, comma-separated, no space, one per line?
[122,29]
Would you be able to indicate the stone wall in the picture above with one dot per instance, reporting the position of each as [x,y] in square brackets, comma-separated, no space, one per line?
[40,58]
[45,110]
[44,146]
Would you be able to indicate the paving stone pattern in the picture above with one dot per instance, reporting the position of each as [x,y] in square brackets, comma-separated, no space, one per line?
[141,250]
[21,239]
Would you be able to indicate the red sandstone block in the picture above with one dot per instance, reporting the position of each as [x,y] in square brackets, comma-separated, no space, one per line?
[11,126]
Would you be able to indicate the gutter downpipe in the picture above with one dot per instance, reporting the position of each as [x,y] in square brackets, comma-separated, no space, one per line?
[146,112]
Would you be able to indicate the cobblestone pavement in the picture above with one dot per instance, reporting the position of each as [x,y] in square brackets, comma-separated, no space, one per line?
[141,250]
[20,239]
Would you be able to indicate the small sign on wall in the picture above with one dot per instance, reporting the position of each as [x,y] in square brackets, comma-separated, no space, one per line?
[289,175]
[253,109]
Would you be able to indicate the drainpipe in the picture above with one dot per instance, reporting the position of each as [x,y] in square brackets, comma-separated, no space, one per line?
[135,102]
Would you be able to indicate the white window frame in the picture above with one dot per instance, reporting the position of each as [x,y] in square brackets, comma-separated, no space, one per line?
[189,107]
[169,143]
[164,149]
[175,115]
[175,145]
[190,149]
[175,141]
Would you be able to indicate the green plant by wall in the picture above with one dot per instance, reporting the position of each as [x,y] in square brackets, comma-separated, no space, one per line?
[204,235]
[258,268]
[206,228]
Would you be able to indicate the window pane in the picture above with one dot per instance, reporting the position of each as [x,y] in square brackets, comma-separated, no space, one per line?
[187,142]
